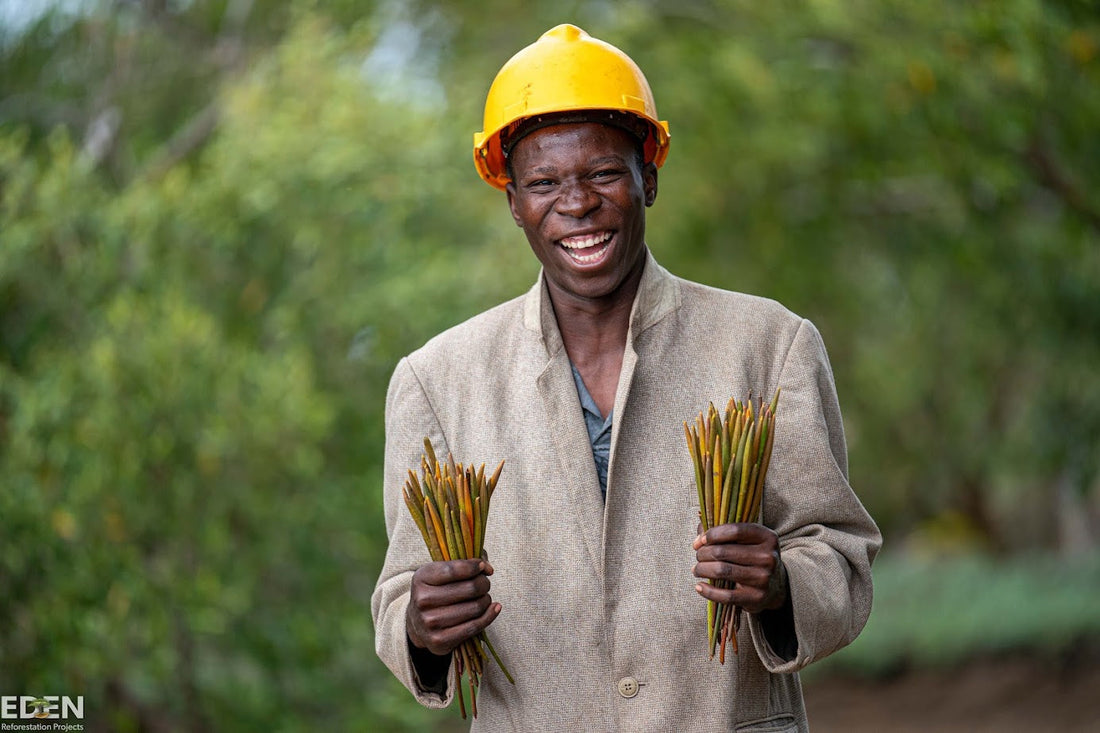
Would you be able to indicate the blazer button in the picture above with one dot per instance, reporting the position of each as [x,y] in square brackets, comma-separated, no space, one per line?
[628,687]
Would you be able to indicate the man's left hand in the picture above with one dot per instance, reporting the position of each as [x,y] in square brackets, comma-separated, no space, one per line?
[745,554]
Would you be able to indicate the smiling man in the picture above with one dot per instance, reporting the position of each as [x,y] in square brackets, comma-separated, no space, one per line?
[581,386]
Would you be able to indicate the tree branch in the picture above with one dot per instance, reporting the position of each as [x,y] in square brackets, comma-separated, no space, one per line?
[229,48]
[1054,177]
[188,139]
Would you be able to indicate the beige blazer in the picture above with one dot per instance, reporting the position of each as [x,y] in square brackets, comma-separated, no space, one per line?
[601,626]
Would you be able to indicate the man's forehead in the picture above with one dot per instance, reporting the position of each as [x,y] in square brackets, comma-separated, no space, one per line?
[613,143]
[544,163]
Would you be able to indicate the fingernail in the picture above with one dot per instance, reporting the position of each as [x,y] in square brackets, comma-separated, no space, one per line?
[698,588]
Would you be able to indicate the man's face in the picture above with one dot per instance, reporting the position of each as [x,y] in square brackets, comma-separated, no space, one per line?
[580,197]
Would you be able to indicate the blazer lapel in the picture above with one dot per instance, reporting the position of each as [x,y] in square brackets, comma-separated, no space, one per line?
[565,423]
[658,295]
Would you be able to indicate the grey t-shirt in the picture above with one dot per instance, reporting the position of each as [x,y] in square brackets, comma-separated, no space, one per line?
[599,429]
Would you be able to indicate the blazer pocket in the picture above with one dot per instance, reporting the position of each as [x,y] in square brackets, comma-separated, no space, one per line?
[784,723]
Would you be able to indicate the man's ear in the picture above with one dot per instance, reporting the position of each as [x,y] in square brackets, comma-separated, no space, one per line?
[510,189]
[649,183]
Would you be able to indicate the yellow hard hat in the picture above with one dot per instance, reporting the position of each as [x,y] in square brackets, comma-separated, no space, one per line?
[565,70]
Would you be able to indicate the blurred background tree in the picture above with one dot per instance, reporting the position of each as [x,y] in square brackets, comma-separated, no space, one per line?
[223,221]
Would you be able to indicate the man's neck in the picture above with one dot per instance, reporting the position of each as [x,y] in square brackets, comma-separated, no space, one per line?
[594,332]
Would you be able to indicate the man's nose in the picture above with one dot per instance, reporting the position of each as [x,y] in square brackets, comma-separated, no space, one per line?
[577,200]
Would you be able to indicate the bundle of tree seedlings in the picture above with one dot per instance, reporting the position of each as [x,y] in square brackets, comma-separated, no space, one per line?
[450,505]
[730,453]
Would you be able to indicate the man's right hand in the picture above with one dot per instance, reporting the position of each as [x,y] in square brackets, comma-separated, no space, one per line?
[449,603]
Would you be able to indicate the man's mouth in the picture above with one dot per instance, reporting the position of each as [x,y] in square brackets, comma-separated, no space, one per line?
[587,248]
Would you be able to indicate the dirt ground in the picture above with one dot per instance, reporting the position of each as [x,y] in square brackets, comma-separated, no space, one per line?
[997,695]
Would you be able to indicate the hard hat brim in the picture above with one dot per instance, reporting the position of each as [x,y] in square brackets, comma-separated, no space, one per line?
[492,164]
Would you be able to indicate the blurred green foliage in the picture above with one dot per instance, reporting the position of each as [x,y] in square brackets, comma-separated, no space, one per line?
[222,222]
[928,614]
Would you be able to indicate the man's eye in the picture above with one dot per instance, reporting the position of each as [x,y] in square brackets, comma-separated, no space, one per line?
[540,182]
[606,173]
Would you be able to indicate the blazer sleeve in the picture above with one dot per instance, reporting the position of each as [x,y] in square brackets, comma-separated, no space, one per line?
[827,539]
[409,419]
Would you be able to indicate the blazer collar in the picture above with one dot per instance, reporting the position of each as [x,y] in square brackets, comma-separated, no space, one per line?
[658,295]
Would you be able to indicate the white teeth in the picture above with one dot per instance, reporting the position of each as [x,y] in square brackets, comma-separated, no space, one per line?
[585,241]
[584,259]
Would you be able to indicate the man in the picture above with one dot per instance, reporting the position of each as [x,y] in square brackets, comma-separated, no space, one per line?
[581,386]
